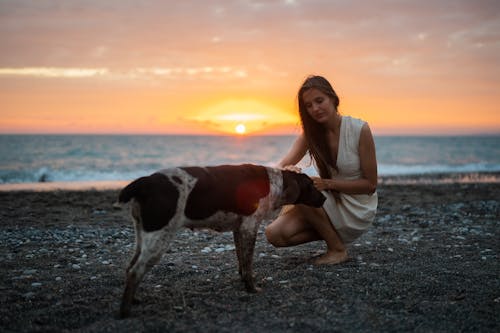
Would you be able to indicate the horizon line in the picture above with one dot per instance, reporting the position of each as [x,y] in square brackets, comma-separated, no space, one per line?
[239,135]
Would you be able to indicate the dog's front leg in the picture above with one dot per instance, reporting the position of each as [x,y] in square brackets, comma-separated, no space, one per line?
[237,245]
[245,238]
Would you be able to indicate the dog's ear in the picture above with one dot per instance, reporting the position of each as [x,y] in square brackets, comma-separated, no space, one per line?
[291,188]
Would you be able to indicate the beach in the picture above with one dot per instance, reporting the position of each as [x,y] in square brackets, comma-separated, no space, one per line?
[428,264]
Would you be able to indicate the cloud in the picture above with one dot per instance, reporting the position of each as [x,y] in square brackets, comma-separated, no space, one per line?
[173,73]
[51,72]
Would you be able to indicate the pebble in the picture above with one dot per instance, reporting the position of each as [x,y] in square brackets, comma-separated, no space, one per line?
[29,272]
[403,240]
[225,248]
[206,250]
[29,295]
[75,266]
[36,284]
[219,249]
[58,278]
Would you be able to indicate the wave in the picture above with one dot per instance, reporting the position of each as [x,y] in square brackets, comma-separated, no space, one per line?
[402,173]
[47,175]
[442,178]
[38,159]
[422,169]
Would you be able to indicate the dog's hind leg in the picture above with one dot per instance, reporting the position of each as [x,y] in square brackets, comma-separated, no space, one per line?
[138,234]
[152,248]
[245,238]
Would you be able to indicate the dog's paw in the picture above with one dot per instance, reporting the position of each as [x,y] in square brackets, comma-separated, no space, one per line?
[257,290]
[251,288]
[124,313]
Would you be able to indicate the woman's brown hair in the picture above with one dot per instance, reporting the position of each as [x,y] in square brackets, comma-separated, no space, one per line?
[315,133]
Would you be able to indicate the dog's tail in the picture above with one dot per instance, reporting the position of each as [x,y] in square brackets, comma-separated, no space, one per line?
[133,190]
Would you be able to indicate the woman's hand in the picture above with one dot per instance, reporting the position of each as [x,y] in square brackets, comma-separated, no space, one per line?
[293,168]
[325,185]
[322,184]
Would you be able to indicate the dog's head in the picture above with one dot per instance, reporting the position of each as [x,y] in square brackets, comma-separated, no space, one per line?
[298,188]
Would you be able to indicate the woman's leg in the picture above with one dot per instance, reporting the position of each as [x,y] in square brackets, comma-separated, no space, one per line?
[291,229]
[304,224]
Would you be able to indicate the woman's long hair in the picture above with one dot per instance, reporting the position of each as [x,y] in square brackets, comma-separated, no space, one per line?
[315,133]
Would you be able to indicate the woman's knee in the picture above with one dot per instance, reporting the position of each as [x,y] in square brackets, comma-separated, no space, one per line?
[274,236]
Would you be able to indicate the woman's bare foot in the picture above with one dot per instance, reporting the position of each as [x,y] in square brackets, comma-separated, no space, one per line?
[332,258]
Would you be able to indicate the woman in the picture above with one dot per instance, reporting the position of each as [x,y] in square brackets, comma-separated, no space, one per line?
[343,152]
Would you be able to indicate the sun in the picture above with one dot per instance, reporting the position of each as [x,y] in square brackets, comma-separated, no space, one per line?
[242,117]
[240,129]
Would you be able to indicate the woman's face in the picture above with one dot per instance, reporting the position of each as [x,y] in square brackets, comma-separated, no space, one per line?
[319,105]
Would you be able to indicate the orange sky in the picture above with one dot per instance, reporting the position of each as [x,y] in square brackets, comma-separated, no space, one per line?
[204,67]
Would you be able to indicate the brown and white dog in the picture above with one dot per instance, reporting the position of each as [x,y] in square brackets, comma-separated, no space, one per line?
[223,198]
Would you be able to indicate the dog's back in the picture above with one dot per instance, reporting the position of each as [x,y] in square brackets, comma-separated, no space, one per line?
[157,197]
[229,188]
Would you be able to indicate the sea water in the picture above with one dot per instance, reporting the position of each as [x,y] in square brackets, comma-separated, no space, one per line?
[76,158]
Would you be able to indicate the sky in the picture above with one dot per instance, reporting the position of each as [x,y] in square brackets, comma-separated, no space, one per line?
[421,67]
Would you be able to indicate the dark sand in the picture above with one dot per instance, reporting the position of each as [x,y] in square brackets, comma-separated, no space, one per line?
[429,264]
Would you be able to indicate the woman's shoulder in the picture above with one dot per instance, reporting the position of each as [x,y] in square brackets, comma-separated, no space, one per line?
[355,121]
[355,124]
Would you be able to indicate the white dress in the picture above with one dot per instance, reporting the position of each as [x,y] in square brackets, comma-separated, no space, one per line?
[352,214]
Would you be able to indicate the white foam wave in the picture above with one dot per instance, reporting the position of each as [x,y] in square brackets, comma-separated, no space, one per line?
[399,170]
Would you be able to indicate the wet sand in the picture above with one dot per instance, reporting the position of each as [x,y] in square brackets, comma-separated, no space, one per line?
[430,263]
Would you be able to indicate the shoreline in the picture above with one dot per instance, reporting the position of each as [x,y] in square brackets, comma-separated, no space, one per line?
[416,179]
[101,185]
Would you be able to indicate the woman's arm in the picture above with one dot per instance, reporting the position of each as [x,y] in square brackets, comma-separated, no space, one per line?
[295,154]
[367,184]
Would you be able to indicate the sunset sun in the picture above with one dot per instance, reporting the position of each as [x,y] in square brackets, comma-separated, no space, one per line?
[242,116]
[240,129]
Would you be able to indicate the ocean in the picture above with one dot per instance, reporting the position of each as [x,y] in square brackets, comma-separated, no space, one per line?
[95,158]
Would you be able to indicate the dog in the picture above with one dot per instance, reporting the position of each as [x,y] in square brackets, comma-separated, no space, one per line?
[223,198]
